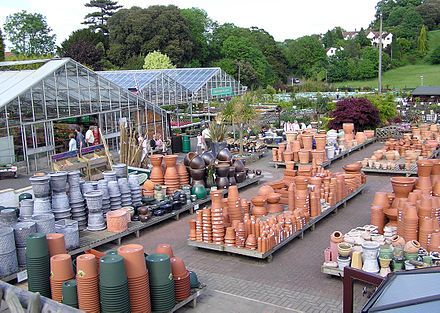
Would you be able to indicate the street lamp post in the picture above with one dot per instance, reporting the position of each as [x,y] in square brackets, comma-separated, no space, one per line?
[380,55]
[421,80]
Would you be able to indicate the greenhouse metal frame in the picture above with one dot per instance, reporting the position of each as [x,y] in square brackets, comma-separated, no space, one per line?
[32,100]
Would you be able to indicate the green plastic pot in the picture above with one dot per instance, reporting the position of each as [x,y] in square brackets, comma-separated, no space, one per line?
[36,246]
[159,269]
[385,252]
[70,296]
[397,265]
[112,271]
[112,252]
[411,256]
[194,280]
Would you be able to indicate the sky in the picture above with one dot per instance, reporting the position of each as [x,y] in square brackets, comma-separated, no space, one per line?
[283,19]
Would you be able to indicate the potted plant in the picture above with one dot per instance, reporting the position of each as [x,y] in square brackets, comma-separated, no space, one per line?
[217,130]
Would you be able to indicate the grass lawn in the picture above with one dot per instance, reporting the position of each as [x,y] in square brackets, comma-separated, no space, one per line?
[402,77]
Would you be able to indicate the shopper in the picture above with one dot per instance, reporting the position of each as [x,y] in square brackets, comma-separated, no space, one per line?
[90,139]
[72,143]
[153,144]
[159,143]
[200,143]
[80,141]
[96,136]
[206,133]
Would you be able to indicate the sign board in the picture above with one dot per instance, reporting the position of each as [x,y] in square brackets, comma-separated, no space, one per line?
[221,91]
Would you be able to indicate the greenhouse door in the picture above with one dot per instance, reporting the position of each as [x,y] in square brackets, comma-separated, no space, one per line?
[38,145]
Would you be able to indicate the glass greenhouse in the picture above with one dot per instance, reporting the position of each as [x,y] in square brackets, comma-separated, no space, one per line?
[43,101]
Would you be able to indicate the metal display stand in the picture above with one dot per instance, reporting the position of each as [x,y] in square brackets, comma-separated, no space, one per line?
[343,154]
[269,254]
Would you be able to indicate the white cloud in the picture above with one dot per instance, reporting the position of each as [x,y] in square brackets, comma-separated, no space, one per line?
[282,18]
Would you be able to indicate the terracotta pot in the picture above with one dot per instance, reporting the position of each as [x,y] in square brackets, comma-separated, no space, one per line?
[296,146]
[348,128]
[304,156]
[402,186]
[290,165]
[164,248]
[56,244]
[274,154]
[397,240]
[61,267]
[381,199]
[336,237]
[352,168]
[301,182]
[377,217]
[288,156]
[87,266]
[424,168]
[378,154]
[178,267]
[412,246]
[321,141]
[265,191]
[134,260]
[307,140]
[233,192]
[273,198]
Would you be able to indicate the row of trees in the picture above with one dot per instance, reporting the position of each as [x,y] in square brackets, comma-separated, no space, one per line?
[119,37]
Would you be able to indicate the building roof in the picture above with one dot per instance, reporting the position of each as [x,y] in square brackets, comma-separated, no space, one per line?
[426,91]
[190,78]
[14,83]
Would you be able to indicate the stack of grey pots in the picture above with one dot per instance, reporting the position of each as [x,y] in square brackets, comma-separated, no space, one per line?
[95,220]
[125,191]
[135,189]
[69,229]
[120,169]
[109,176]
[41,189]
[115,195]
[26,209]
[8,217]
[45,223]
[60,200]
[8,253]
[103,187]
[22,230]
[76,200]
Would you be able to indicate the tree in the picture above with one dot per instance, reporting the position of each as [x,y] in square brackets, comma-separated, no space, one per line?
[327,39]
[156,60]
[200,26]
[386,106]
[84,46]
[138,31]
[29,34]
[359,111]
[97,20]
[2,47]
[422,41]
[362,39]
[435,56]
[429,10]
[306,55]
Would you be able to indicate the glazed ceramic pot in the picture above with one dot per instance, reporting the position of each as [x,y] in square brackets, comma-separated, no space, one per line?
[208,157]
[188,157]
[238,165]
[369,256]
[197,174]
[222,182]
[344,249]
[224,155]
[336,237]
[197,163]
[222,170]
[199,190]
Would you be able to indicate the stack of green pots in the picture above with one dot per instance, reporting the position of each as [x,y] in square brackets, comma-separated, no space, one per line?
[162,294]
[70,296]
[38,264]
[186,144]
[113,284]
[112,252]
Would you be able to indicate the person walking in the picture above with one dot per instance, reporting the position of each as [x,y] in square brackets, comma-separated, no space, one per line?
[80,141]
[72,143]
[200,144]
[90,139]
[206,133]
[97,139]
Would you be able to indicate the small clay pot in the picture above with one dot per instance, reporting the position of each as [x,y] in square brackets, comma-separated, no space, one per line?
[336,237]
[164,248]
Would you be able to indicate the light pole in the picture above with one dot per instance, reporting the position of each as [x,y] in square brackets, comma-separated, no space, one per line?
[421,80]
[380,55]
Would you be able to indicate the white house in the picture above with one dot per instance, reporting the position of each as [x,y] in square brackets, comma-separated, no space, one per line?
[332,51]
[387,38]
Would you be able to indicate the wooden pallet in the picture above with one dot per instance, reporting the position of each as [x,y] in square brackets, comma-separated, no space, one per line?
[334,271]
[191,300]
[269,254]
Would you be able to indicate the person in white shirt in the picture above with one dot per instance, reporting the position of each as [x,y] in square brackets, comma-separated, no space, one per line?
[72,143]
[90,139]
[206,134]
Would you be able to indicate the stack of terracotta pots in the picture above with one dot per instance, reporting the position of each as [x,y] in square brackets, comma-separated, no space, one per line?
[148,188]
[192,230]
[259,206]
[181,277]
[156,175]
[348,132]
[199,225]
[183,174]
[87,277]
[235,211]
[61,270]
[171,177]
[137,275]
[230,237]
[240,235]
[381,204]
[207,225]
[217,220]
[117,221]
[56,244]
[273,205]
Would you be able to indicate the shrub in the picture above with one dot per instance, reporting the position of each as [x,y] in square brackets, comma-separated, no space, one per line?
[386,106]
[359,111]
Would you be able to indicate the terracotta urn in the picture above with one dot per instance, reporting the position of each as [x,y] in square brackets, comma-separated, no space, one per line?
[397,240]
[412,246]
[402,186]
[320,140]
[307,140]
[304,156]
[288,156]
[348,128]
[336,237]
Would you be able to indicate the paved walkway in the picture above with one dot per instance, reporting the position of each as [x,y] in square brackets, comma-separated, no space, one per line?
[292,282]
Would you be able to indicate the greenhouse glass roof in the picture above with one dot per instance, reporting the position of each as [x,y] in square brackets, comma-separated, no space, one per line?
[191,78]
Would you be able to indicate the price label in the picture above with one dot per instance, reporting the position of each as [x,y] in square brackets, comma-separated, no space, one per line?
[196,207]
[22,276]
